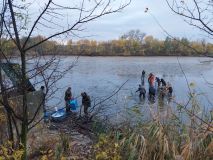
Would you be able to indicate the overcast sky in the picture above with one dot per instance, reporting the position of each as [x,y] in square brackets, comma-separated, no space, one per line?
[114,25]
[134,17]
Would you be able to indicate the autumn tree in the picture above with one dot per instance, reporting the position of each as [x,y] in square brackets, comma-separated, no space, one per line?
[52,19]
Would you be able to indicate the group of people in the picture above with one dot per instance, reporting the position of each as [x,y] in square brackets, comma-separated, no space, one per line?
[86,101]
[155,84]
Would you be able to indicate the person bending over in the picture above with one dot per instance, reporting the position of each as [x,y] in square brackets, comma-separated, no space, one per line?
[158,81]
[142,91]
[163,82]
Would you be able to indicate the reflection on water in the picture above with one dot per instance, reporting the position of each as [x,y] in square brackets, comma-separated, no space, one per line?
[100,76]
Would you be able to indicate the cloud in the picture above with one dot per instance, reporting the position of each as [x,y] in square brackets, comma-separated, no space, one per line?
[132,17]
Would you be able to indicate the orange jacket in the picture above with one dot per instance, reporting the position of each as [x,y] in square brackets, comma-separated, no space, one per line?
[151,80]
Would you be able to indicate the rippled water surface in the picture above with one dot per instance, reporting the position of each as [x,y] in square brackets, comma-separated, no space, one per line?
[100,76]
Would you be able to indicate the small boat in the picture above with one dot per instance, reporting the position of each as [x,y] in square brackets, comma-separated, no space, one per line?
[58,116]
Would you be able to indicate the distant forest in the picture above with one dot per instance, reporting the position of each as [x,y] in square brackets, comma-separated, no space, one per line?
[133,43]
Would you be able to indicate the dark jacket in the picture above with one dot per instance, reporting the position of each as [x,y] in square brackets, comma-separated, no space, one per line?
[141,90]
[68,95]
[170,89]
[86,102]
[158,81]
[163,82]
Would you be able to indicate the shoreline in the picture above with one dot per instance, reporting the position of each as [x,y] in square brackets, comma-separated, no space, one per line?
[172,56]
[209,56]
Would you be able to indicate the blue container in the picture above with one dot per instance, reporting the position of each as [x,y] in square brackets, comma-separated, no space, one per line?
[73,104]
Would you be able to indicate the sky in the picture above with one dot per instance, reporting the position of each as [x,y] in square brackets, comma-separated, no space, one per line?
[114,25]
[134,17]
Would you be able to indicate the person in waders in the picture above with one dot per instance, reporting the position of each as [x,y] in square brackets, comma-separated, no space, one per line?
[86,102]
[170,91]
[67,98]
[163,82]
[158,81]
[143,77]
[142,91]
[152,93]
[151,80]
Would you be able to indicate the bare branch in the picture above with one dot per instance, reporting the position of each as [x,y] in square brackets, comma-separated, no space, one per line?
[200,8]
[36,21]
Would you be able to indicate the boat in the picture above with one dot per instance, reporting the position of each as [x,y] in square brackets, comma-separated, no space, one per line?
[60,114]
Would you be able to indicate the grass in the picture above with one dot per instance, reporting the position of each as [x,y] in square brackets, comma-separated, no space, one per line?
[154,139]
[161,140]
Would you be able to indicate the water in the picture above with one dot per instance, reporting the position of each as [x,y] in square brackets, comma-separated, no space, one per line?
[100,76]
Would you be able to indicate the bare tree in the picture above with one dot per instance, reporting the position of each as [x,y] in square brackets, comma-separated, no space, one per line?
[135,35]
[17,20]
[197,13]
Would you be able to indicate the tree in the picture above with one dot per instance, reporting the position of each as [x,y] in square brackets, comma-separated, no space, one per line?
[135,35]
[196,13]
[168,45]
[15,21]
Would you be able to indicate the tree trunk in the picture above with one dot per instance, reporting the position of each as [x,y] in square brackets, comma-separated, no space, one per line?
[24,130]
[10,128]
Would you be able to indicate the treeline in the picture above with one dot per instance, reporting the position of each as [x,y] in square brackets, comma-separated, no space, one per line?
[131,44]
[148,47]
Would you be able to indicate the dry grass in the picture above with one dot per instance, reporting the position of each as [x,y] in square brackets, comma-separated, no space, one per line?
[172,139]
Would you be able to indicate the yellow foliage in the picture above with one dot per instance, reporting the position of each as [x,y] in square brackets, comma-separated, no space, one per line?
[7,152]
[63,158]
[2,118]
[44,157]
[209,149]
[107,149]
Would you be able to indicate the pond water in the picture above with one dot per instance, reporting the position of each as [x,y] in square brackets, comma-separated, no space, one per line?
[100,76]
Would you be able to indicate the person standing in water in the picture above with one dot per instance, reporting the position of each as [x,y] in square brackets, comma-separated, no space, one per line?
[170,90]
[142,91]
[163,82]
[158,81]
[152,90]
[151,80]
[142,77]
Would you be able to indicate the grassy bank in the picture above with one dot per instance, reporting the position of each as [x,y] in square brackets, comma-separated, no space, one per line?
[167,138]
